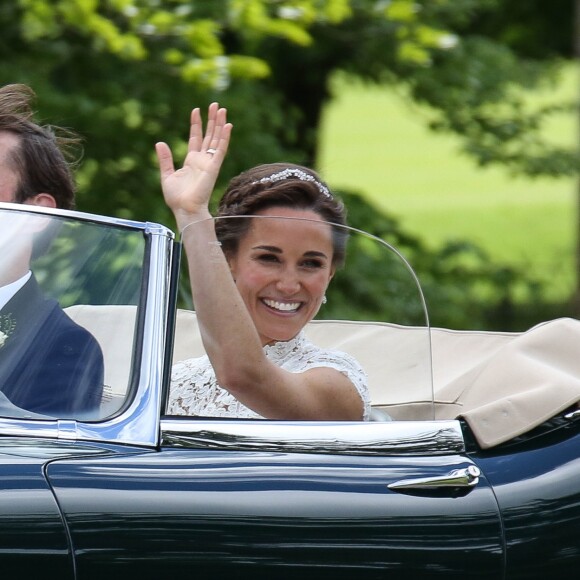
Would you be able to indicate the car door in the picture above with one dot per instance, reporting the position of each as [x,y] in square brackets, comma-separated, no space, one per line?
[32,533]
[243,499]
[240,498]
[536,479]
[34,540]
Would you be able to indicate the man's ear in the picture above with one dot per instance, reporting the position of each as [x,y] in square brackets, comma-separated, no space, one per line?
[41,199]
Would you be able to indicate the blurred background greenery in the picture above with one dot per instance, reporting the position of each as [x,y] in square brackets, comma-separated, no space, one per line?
[436,191]
[449,126]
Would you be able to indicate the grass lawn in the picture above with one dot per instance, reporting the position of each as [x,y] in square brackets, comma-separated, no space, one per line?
[376,143]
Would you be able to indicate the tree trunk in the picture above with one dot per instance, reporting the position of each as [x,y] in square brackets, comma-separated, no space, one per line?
[576,48]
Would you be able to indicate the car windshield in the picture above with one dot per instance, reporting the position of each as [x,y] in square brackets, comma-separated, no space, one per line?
[65,284]
[374,310]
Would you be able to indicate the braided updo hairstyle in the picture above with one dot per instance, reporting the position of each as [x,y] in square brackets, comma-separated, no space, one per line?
[296,187]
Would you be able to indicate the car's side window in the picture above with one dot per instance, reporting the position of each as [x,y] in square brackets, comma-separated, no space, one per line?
[396,359]
[105,300]
[373,311]
[68,327]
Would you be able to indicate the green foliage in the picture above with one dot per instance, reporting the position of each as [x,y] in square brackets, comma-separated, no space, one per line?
[125,74]
[477,91]
[463,287]
[90,264]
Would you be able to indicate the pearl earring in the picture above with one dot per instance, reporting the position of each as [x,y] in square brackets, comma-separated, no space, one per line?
[324,300]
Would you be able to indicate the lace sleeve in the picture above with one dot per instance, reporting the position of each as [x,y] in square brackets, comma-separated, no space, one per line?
[194,391]
[348,366]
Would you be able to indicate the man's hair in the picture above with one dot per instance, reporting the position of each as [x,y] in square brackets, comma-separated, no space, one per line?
[41,160]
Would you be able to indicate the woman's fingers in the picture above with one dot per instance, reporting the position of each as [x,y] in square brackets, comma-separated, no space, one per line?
[223,140]
[217,135]
[187,190]
[165,160]
[195,131]
[203,150]
[212,113]
[200,141]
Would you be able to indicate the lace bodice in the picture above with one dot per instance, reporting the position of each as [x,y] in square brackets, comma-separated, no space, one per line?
[194,389]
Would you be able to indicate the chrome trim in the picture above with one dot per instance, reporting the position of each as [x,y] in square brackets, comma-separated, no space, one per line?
[572,415]
[459,478]
[157,229]
[67,429]
[148,227]
[139,423]
[344,438]
[29,427]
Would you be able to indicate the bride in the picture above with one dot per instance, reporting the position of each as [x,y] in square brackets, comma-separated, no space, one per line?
[256,283]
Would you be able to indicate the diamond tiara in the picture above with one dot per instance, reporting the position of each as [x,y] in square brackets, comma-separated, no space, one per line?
[298,173]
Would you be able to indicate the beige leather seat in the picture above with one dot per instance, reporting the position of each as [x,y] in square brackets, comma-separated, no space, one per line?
[502,383]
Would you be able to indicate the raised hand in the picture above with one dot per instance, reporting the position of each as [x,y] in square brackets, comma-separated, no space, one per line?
[187,190]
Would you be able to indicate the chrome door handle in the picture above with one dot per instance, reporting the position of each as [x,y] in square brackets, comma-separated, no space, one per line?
[466,477]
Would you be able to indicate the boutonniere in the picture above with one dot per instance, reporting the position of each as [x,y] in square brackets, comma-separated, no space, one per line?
[7,325]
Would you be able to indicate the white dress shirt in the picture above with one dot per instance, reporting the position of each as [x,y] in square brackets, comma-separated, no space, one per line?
[8,291]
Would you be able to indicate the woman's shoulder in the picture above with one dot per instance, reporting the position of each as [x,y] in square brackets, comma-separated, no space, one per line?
[189,368]
[312,356]
[311,353]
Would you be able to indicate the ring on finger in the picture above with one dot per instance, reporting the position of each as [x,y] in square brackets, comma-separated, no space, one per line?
[211,151]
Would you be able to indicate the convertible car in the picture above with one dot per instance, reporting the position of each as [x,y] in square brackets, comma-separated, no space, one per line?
[469,466]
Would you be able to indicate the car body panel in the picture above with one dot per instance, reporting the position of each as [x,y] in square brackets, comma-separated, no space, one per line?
[33,534]
[539,497]
[264,513]
[137,420]
[131,491]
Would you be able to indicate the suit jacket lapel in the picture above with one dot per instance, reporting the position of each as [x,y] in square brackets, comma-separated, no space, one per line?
[29,311]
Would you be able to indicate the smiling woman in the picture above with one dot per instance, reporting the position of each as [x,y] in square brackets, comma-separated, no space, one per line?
[256,282]
[282,269]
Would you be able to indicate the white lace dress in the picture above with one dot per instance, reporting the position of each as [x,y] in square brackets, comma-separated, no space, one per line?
[194,389]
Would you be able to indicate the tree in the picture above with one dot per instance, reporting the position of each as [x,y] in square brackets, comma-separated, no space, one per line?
[125,73]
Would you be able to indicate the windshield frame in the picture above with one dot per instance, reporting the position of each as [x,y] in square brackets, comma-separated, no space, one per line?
[137,421]
[427,398]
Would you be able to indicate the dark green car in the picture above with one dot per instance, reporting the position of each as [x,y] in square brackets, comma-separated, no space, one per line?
[475,475]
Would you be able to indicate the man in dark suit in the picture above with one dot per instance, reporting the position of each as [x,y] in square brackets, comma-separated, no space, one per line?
[48,364]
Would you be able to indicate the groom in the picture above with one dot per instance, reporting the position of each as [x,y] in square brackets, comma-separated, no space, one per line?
[48,364]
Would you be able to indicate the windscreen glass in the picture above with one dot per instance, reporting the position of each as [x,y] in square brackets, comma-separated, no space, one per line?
[369,309]
[69,294]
